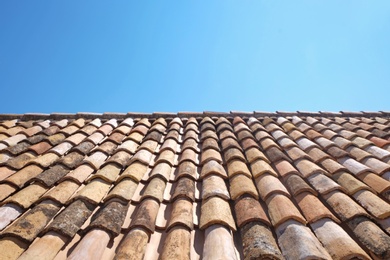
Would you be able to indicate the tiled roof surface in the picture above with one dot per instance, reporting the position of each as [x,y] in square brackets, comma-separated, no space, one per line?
[195,186]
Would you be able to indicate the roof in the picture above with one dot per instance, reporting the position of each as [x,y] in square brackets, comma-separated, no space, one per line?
[293,185]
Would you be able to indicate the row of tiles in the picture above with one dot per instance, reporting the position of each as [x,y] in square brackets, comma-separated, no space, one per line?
[241,187]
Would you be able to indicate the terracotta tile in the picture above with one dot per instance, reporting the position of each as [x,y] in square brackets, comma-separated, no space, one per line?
[376,182]
[154,136]
[62,192]
[210,154]
[169,144]
[241,185]
[80,173]
[133,245]
[295,135]
[76,138]
[318,155]
[349,182]
[155,189]
[370,235]
[52,175]
[233,153]
[210,215]
[46,160]
[254,154]
[208,134]
[373,204]
[213,167]
[296,154]
[312,208]
[325,143]
[376,165]
[190,144]
[289,127]
[261,135]
[15,150]
[110,218]
[241,127]
[123,129]
[134,171]
[93,192]
[27,196]
[142,129]
[109,173]
[258,242]
[123,190]
[230,142]
[279,134]
[129,146]
[11,248]
[281,209]
[187,168]
[248,209]
[336,241]
[323,184]
[224,126]
[192,134]
[275,155]
[361,142]
[135,136]
[6,172]
[332,166]
[40,250]
[313,134]
[163,170]
[297,185]
[91,246]
[244,135]
[249,143]
[382,143]
[226,134]
[207,126]
[298,242]
[305,144]
[6,190]
[336,152]
[344,206]
[62,148]
[143,156]
[8,213]
[30,224]
[238,167]
[285,168]
[177,244]
[120,158]
[378,152]
[218,244]
[268,184]
[182,214]
[84,147]
[13,140]
[70,220]
[185,188]
[56,139]
[149,145]
[20,161]
[287,143]
[107,147]
[308,168]
[189,155]
[146,215]
[22,176]
[214,185]
[267,143]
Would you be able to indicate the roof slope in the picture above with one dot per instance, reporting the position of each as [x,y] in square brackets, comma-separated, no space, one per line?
[195,185]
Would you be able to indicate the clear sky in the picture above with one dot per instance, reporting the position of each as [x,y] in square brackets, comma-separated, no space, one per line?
[170,56]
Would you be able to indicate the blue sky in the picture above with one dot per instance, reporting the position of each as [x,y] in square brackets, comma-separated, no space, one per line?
[170,56]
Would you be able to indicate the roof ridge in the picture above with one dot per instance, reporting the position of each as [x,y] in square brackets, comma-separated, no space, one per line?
[183,114]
